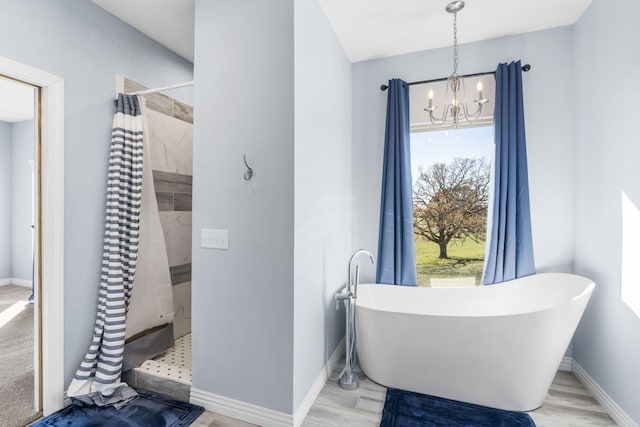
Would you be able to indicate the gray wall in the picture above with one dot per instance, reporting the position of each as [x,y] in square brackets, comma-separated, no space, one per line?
[86,46]
[289,228]
[5,200]
[322,192]
[548,97]
[242,320]
[22,148]
[16,149]
[607,152]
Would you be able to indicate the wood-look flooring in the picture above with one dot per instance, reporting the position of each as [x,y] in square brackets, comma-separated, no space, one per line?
[568,404]
[211,419]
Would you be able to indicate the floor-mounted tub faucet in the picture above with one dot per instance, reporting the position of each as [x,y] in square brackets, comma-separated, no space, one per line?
[348,379]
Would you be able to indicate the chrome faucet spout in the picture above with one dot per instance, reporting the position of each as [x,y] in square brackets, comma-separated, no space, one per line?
[352,281]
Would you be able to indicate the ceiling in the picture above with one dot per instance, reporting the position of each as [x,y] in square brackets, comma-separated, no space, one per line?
[18,101]
[367,29]
[169,22]
[370,29]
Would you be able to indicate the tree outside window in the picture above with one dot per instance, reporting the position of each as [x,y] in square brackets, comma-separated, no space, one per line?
[451,174]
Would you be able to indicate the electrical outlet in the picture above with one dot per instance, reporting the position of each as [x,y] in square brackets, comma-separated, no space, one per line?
[215,239]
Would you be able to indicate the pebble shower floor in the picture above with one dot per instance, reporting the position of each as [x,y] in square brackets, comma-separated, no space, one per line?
[174,364]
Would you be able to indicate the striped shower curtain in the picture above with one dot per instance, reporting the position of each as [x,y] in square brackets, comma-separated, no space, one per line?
[97,380]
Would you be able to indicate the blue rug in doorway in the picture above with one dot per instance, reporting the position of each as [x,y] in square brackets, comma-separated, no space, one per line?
[149,409]
[408,409]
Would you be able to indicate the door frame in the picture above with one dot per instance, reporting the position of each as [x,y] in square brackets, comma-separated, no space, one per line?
[49,265]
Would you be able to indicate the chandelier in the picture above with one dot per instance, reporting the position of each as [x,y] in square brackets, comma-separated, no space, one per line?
[455,112]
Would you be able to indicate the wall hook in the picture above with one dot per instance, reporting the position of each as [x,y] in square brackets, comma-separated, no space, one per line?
[249,173]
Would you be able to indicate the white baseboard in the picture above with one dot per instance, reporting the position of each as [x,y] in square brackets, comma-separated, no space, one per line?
[240,410]
[263,416]
[317,386]
[566,364]
[21,282]
[615,411]
[16,282]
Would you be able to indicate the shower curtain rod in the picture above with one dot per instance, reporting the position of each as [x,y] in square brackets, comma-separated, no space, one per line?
[525,68]
[161,89]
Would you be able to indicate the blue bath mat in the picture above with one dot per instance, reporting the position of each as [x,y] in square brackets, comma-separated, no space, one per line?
[149,409]
[408,409]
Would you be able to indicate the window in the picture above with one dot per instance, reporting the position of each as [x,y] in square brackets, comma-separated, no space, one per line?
[450,171]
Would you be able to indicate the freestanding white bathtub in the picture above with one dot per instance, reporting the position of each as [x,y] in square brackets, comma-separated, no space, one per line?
[497,345]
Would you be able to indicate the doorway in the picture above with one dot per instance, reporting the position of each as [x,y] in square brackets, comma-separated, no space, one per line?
[48,233]
[19,305]
[164,365]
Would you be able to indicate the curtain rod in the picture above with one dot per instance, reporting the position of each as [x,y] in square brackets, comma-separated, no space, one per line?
[161,89]
[525,68]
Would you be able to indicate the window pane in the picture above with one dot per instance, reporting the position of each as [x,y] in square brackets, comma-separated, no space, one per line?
[450,174]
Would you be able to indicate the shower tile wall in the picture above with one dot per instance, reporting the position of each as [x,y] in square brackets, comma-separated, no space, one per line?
[170,127]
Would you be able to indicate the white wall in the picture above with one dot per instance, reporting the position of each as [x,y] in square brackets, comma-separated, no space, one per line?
[322,192]
[22,149]
[5,200]
[548,102]
[607,63]
[87,47]
[243,297]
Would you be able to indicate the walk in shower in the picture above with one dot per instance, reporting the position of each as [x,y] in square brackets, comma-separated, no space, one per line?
[158,347]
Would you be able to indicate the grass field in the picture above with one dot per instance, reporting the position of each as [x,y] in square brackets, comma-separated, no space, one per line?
[465,259]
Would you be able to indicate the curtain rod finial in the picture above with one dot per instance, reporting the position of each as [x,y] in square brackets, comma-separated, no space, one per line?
[384,87]
[526,67]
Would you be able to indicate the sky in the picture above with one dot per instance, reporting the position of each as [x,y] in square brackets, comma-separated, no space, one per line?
[442,146]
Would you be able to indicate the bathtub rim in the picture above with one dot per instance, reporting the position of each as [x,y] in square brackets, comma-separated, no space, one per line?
[587,290]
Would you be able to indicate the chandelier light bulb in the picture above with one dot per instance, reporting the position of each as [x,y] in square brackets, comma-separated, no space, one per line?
[430,98]
[456,113]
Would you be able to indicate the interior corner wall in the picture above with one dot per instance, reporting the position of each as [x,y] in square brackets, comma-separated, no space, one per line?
[607,213]
[87,47]
[5,200]
[243,297]
[22,150]
[548,98]
[322,192]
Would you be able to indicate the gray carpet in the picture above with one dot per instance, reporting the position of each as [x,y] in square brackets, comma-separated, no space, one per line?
[16,361]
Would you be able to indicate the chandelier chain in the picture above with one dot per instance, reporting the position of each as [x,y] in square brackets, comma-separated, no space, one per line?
[456,57]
